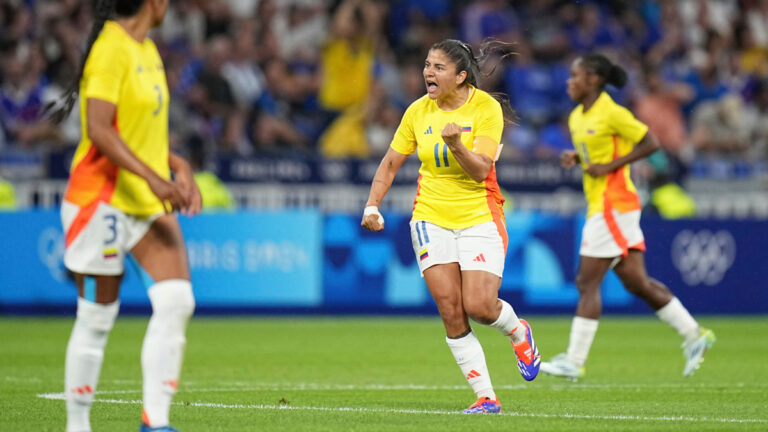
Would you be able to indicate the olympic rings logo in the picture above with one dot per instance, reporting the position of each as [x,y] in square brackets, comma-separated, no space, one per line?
[703,257]
[50,249]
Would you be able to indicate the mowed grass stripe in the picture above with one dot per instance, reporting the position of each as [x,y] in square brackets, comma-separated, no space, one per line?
[60,396]
[738,387]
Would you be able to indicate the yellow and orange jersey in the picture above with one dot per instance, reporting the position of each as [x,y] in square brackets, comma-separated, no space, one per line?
[605,132]
[129,74]
[447,196]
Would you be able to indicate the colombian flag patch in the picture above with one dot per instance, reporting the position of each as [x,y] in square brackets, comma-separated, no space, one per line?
[423,255]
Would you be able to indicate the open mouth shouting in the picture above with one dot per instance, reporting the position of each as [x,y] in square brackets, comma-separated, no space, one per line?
[431,86]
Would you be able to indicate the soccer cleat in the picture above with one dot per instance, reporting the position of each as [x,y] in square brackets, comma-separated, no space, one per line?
[146,428]
[484,405]
[528,357]
[562,366]
[694,350]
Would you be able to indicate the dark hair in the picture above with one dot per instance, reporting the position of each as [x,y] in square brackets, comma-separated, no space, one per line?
[599,65]
[103,10]
[463,56]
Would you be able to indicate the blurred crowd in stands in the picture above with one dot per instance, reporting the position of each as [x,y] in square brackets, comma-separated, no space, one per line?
[308,77]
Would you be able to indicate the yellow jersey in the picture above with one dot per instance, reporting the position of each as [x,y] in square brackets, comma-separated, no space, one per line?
[605,132]
[347,73]
[129,74]
[447,196]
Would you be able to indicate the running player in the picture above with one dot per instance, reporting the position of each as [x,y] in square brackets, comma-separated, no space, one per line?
[457,228]
[607,138]
[119,201]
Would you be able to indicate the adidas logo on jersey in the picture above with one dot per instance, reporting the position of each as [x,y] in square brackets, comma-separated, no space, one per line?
[479,258]
[428,131]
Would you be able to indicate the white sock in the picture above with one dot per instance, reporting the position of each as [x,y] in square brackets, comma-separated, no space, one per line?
[582,334]
[508,324]
[163,349]
[471,359]
[677,316]
[85,352]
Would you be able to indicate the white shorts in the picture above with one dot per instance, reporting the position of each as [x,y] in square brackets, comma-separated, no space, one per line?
[98,239]
[611,235]
[480,247]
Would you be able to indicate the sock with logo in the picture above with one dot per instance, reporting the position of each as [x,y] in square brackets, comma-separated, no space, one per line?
[509,324]
[85,353]
[471,360]
[163,349]
[678,317]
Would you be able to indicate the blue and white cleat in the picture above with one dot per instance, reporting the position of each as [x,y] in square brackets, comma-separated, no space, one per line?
[694,350]
[146,428]
[484,405]
[562,366]
[528,357]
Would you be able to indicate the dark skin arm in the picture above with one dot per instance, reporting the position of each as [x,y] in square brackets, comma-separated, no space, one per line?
[382,181]
[107,140]
[644,148]
[477,165]
[569,158]
[184,178]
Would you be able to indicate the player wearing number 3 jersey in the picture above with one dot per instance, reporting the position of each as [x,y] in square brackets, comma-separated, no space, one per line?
[457,229]
[119,203]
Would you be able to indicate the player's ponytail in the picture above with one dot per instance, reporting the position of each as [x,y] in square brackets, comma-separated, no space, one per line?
[463,56]
[57,111]
[610,73]
[617,77]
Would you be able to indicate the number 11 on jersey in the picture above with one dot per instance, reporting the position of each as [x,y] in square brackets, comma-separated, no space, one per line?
[437,155]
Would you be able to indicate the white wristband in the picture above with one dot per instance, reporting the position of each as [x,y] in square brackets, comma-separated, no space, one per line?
[373,210]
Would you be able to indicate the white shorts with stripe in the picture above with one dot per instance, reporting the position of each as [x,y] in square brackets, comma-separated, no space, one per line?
[479,247]
[99,236]
[612,234]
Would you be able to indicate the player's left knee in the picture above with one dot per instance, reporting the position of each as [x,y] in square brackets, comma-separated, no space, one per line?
[172,298]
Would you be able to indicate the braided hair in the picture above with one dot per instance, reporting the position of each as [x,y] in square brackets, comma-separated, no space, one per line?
[57,111]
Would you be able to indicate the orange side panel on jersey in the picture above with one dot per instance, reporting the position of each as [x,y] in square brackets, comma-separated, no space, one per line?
[418,190]
[496,205]
[616,191]
[85,213]
[87,178]
[92,181]
[613,227]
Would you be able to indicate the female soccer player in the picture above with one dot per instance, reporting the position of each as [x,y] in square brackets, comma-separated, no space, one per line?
[604,135]
[119,201]
[457,229]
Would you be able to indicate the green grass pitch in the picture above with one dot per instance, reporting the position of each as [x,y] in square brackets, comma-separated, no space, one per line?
[394,374]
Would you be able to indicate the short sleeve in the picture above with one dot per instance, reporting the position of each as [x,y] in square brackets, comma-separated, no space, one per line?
[104,72]
[490,122]
[626,125]
[404,140]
